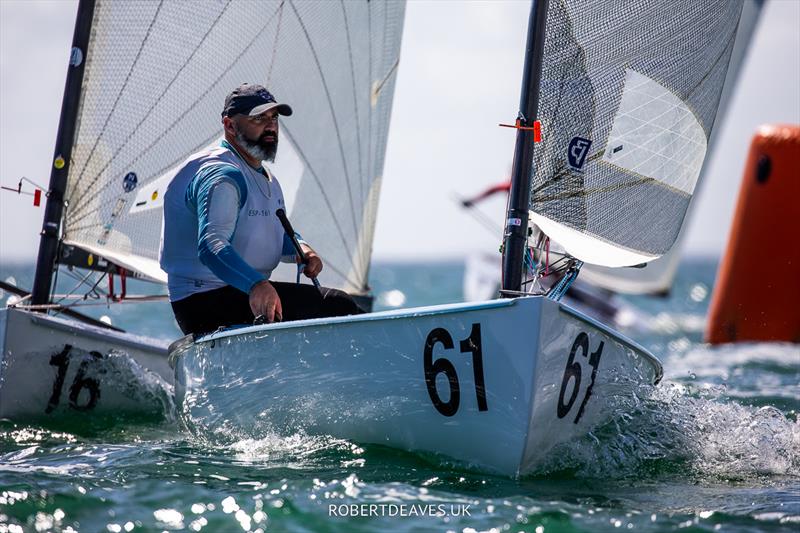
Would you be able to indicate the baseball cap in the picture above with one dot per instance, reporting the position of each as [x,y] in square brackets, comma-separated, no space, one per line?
[252,100]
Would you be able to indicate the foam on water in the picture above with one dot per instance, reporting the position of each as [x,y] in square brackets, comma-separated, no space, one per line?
[680,427]
[676,428]
[139,384]
[144,392]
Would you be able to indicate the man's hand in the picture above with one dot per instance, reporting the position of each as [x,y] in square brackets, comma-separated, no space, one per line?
[264,300]
[313,264]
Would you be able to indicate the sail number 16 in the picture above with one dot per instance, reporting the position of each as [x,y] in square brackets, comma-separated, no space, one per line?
[471,344]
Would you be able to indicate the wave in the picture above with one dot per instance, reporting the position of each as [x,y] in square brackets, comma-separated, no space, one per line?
[674,429]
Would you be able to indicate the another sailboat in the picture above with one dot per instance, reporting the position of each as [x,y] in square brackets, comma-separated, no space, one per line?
[144,91]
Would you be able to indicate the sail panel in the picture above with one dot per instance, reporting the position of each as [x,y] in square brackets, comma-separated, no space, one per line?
[628,97]
[657,276]
[655,136]
[156,78]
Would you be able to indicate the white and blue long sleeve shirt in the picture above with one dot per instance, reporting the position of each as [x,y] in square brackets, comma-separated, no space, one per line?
[220,226]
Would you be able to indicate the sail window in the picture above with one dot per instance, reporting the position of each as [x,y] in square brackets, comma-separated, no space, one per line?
[656,135]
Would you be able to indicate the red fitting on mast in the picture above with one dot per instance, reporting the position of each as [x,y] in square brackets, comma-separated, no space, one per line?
[37,191]
[536,129]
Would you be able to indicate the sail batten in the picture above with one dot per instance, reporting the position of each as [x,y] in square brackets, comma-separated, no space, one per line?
[157,75]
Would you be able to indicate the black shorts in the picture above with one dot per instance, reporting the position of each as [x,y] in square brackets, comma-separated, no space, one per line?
[204,312]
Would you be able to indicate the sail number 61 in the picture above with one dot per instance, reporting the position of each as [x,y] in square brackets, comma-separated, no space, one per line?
[573,373]
[471,344]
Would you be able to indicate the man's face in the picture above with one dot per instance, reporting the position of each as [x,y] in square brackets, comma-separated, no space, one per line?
[258,135]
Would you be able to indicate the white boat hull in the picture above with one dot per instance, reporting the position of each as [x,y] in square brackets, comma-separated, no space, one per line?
[495,384]
[50,366]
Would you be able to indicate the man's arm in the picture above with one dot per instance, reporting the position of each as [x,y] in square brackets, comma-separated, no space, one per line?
[218,193]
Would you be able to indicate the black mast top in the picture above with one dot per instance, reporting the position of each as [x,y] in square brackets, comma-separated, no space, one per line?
[519,198]
[54,209]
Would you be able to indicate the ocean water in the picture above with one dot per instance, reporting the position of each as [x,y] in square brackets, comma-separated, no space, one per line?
[714,447]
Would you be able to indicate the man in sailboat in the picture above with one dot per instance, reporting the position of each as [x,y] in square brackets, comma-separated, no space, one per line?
[221,236]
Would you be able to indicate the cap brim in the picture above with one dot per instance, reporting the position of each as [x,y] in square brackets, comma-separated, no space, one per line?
[283,109]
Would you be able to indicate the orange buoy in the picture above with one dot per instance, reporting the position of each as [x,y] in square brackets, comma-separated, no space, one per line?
[757,293]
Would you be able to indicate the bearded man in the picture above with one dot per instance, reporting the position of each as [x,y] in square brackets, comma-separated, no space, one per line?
[221,236]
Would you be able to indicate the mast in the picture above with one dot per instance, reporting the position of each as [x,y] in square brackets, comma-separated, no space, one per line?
[519,196]
[54,209]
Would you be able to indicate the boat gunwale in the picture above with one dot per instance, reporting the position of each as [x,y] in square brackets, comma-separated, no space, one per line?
[179,346]
[123,338]
[366,317]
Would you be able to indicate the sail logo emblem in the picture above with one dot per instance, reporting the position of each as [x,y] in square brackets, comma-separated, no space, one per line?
[577,152]
[129,181]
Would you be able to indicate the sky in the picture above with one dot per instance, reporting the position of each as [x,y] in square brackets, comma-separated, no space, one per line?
[459,76]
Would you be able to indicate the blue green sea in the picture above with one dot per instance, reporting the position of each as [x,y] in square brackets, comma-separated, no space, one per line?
[714,447]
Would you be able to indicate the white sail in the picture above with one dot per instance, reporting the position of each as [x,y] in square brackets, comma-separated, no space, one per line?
[626,112]
[156,77]
[657,276]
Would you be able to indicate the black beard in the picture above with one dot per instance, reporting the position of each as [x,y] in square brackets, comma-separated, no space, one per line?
[260,149]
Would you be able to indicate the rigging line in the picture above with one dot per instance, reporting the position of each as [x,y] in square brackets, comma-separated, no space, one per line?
[211,86]
[333,115]
[116,100]
[327,200]
[94,290]
[158,100]
[97,296]
[75,288]
[558,265]
[55,281]
[275,43]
